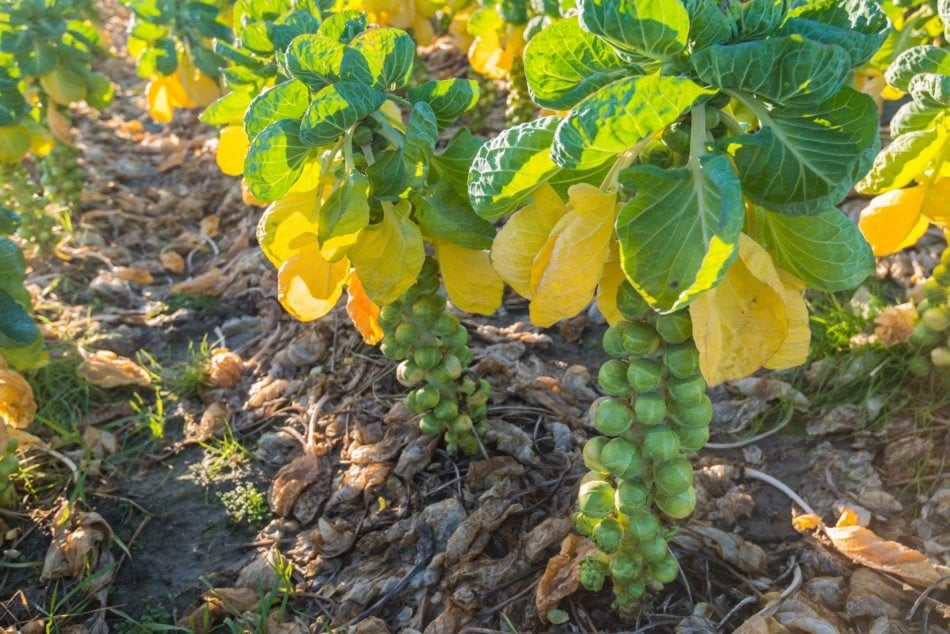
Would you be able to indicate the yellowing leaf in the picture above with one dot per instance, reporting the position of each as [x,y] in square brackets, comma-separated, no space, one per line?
[470,281]
[794,350]
[14,143]
[108,369]
[388,256]
[287,226]
[42,140]
[575,262]
[159,100]
[892,221]
[62,86]
[232,148]
[609,284]
[936,203]
[17,407]
[492,55]
[59,125]
[199,89]
[741,323]
[518,242]
[362,311]
[308,287]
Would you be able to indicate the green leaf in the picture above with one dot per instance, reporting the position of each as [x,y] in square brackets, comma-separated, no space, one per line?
[99,90]
[12,107]
[857,26]
[509,167]
[826,250]
[287,100]
[16,327]
[919,59]
[388,54]
[564,63]
[930,90]
[275,160]
[343,26]
[785,70]
[315,59]
[708,24]
[654,28]
[335,109]
[680,232]
[159,58]
[12,269]
[448,98]
[230,108]
[804,158]
[913,116]
[445,214]
[291,25]
[617,116]
[453,162]
[905,158]
[387,176]
[758,18]
[9,221]
[342,216]
[38,60]
[421,136]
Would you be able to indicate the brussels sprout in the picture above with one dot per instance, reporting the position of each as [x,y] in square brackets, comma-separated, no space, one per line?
[660,443]
[919,366]
[922,336]
[629,595]
[468,386]
[937,318]
[935,292]
[393,350]
[445,324]
[941,275]
[693,438]
[682,361]
[625,566]
[430,268]
[611,416]
[643,375]
[583,524]
[408,373]
[719,100]
[412,404]
[688,391]
[593,573]
[621,458]
[608,535]
[676,136]
[406,333]
[677,506]
[591,453]
[675,328]
[427,396]
[643,525]
[630,303]
[640,339]
[673,476]
[666,570]
[654,549]
[461,423]
[596,498]
[650,408]
[632,496]
[698,415]
[453,366]
[429,424]
[940,357]
[612,377]
[478,412]
[613,340]
[390,314]
[457,338]
[446,410]
[713,117]
[429,307]
[427,357]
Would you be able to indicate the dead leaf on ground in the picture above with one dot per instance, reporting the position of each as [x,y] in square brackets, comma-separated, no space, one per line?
[547,392]
[133,274]
[79,540]
[561,578]
[216,604]
[225,367]
[107,369]
[547,533]
[293,478]
[213,422]
[205,284]
[729,547]
[843,418]
[472,535]
[484,474]
[100,442]
[209,225]
[175,159]
[895,324]
[17,407]
[770,388]
[172,261]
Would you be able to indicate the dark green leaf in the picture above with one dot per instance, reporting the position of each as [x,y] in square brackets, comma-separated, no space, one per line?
[343,26]
[335,109]
[387,176]
[708,24]
[655,28]
[315,60]
[919,59]
[453,162]
[275,160]
[857,26]
[448,98]
[445,214]
[287,100]
[16,327]
[758,18]
[388,54]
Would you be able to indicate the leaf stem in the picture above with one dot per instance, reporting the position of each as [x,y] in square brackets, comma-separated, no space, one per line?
[697,134]
[625,160]
[348,150]
[387,130]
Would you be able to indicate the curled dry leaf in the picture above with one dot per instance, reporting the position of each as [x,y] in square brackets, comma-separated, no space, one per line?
[213,422]
[218,603]
[895,324]
[134,275]
[225,367]
[730,547]
[205,284]
[473,534]
[172,261]
[209,225]
[292,479]
[107,369]
[17,407]
[561,578]
[79,540]
[545,534]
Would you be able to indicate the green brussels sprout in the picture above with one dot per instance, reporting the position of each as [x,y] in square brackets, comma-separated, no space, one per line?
[593,573]
[940,357]
[688,391]
[408,373]
[406,333]
[643,525]
[935,292]
[678,505]
[676,136]
[453,366]
[698,415]
[650,408]
[675,328]
[628,596]
[937,318]
[480,428]
[362,135]
[693,438]
[412,403]
[429,308]
[430,425]
[445,324]
[613,340]
[660,443]
[427,396]
[596,499]
[630,303]
[643,375]
[625,566]
[612,377]
[591,453]
[390,314]
[654,549]
[446,409]
[666,570]
[621,458]
[608,535]
[461,423]
[632,496]
[941,275]
[923,305]
[640,339]
[719,100]
[468,386]
[430,268]
[922,336]
[393,350]
[584,524]
[682,361]
[611,416]
[457,338]
[427,357]
[673,476]
[919,366]
[713,117]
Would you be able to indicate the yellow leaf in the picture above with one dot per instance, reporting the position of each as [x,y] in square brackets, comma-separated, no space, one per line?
[309,178]
[871,82]
[159,101]
[577,256]
[892,220]
[470,281]
[287,226]
[794,350]
[935,204]
[458,30]
[493,54]
[232,148]
[41,140]
[63,87]
[17,407]
[14,143]
[609,284]
[199,89]
[388,256]
[741,323]
[308,287]
[362,311]
[518,242]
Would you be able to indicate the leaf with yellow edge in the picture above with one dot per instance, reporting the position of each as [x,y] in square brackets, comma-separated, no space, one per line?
[892,220]
[232,148]
[63,87]
[794,350]
[470,281]
[389,255]
[17,407]
[159,100]
[610,283]
[573,259]
[14,143]
[935,204]
[362,311]
[742,323]
[308,287]
[521,238]
[287,226]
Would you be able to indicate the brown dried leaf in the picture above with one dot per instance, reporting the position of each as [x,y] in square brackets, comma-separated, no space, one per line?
[175,159]
[895,324]
[561,578]
[205,284]
[225,367]
[730,547]
[218,603]
[331,541]
[79,539]
[484,474]
[546,392]
[370,625]
[472,535]
[107,369]
[17,407]
[212,424]
[59,125]
[293,478]
[100,442]
[547,533]
[209,225]
[172,261]
[134,275]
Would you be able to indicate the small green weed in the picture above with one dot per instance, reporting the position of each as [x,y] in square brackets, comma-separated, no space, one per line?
[246,504]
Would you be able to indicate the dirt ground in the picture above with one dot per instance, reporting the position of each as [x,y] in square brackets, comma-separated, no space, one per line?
[370,526]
